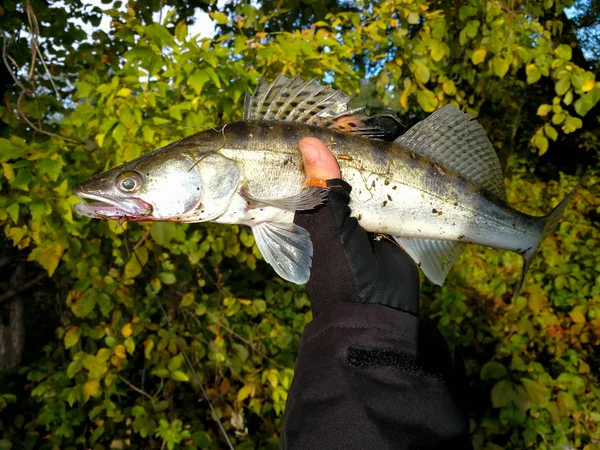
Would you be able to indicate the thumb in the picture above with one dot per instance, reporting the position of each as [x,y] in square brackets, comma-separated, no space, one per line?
[319,162]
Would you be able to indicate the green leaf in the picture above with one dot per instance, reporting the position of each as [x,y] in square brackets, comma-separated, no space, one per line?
[8,151]
[563,51]
[539,394]
[181,31]
[51,167]
[72,337]
[562,86]
[74,368]
[502,394]
[167,277]
[533,73]
[119,133]
[541,143]
[85,304]
[422,73]
[551,132]
[197,80]
[220,17]
[427,100]
[413,18]
[159,34]
[13,212]
[129,345]
[437,50]
[566,401]
[179,376]
[493,370]
[587,101]
[572,124]
[134,266]
[175,362]
[48,254]
[187,299]
[500,66]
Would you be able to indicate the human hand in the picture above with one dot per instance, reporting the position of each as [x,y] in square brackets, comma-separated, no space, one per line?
[350,265]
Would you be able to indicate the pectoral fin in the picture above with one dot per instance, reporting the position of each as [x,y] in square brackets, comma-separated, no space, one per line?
[287,247]
[308,198]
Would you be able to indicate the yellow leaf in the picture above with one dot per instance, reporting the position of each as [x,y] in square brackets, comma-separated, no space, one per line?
[91,388]
[124,92]
[120,351]
[148,346]
[479,56]
[449,87]
[244,393]
[588,85]
[127,331]
[543,110]
[577,317]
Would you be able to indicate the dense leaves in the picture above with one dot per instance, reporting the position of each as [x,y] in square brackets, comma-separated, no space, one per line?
[113,375]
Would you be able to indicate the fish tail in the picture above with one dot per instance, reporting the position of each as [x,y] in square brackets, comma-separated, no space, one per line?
[549,224]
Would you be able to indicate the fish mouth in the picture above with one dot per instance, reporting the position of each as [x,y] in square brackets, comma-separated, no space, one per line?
[104,207]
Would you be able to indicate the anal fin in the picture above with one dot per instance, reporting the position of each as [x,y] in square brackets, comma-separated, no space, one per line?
[287,247]
[308,198]
[435,258]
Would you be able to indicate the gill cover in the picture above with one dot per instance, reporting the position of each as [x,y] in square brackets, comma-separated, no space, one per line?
[220,178]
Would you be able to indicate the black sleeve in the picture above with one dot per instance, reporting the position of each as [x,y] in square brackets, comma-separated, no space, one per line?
[371,377]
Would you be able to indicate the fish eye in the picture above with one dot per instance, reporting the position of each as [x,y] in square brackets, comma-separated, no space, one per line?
[129,181]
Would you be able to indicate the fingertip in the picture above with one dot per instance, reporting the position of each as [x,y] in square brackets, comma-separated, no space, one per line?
[319,162]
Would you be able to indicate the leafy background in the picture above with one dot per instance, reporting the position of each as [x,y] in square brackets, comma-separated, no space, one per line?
[87,360]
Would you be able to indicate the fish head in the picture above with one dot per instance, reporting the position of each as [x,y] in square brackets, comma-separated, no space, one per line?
[157,186]
[187,181]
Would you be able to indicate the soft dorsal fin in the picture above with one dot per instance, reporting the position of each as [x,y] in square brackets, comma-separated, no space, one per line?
[457,142]
[296,100]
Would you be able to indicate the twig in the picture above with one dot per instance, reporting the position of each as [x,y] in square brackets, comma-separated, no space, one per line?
[5,58]
[139,243]
[39,130]
[9,294]
[35,32]
[241,338]
[138,390]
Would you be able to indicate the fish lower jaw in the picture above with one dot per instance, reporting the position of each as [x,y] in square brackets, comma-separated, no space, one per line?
[102,208]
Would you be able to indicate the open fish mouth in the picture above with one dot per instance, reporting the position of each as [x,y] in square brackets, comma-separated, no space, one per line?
[103,207]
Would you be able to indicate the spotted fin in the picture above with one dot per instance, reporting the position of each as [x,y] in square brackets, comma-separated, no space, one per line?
[309,197]
[287,247]
[457,142]
[296,100]
[435,258]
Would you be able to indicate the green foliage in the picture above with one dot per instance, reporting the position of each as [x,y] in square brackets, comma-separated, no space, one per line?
[114,376]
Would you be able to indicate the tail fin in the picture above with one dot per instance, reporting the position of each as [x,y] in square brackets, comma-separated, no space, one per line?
[549,223]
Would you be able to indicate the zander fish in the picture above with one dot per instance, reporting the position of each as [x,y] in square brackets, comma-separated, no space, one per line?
[435,189]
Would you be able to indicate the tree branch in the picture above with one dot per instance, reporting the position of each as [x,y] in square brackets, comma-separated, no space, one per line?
[138,390]
[8,295]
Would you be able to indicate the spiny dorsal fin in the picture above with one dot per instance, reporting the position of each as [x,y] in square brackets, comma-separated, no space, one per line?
[296,100]
[457,142]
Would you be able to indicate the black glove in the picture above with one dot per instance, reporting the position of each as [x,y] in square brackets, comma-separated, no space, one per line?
[350,265]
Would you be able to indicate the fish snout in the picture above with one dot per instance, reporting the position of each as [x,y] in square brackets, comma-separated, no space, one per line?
[78,191]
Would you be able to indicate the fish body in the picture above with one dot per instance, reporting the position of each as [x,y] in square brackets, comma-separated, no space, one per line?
[435,189]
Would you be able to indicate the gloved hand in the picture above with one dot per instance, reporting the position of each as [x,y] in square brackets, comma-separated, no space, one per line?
[349,264]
